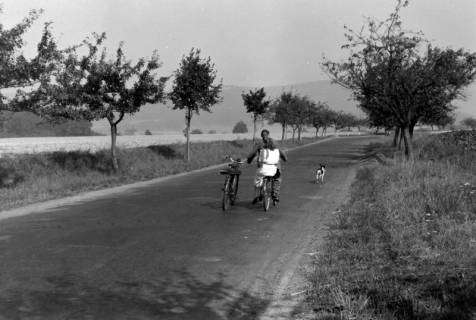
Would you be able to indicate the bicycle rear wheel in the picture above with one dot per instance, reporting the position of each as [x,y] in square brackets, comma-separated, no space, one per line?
[226,201]
[266,194]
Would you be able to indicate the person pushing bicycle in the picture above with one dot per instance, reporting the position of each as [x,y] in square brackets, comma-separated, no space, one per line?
[268,159]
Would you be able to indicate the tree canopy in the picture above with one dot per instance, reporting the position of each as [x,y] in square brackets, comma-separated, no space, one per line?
[398,77]
[256,104]
[93,86]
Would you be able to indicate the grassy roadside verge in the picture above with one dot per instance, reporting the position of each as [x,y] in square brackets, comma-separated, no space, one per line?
[54,175]
[404,246]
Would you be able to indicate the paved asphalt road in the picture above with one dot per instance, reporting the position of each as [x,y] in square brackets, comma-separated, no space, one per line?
[167,251]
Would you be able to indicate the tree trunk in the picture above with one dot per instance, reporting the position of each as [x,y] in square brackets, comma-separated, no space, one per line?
[410,131]
[395,137]
[115,165]
[408,143]
[317,131]
[294,133]
[254,128]
[188,119]
[400,139]
[299,133]
[283,132]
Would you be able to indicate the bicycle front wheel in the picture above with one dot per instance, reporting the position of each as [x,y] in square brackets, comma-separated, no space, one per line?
[266,194]
[226,201]
[234,189]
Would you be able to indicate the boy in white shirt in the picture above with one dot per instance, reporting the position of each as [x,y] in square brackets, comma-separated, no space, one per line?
[268,165]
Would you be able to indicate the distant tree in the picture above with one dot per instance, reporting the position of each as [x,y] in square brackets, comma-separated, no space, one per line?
[92,87]
[315,119]
[328,119]
[321,117]
[299,114]
[256,105]
[147,132]
[392,76]
[469,122]
[194,90]
[279,112]
[361,122]
[212,131]
[345,120]
[240,127]
[196,131]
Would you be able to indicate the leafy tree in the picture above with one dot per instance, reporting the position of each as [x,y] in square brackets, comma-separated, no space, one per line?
[279,112]
[395,80]
[345,120]
[439,119]
[300,113]
[328,117]
[240,127]
[257,105]
[16,71]
[93,87]
[469,122]
[315,116]
[147,132]
[193,89]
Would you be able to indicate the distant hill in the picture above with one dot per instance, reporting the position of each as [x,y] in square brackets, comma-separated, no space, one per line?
[160,118]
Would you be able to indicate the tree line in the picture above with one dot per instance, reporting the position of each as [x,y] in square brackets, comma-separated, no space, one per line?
[296,112]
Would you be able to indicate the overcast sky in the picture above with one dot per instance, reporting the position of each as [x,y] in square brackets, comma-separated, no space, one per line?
[252,42]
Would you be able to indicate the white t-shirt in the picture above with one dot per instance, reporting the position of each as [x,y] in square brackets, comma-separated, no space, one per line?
[268,156]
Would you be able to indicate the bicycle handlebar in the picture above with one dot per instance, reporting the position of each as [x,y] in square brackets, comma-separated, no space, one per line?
[239,161]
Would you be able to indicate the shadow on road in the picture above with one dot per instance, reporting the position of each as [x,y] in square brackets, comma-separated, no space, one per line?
[180,297]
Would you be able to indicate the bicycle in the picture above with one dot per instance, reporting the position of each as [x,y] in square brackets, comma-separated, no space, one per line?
[266,192]
[230,188]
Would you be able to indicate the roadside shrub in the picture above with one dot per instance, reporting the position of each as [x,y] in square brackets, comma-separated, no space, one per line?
[196,131]
[404,247]
[9,177]
[240,127]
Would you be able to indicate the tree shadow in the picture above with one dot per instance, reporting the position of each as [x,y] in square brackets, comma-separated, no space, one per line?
[181,296]
[165,151]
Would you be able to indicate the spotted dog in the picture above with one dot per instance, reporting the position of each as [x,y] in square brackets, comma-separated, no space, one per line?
[320,173]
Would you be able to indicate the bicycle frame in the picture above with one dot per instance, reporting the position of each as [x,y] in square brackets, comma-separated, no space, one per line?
[230,187]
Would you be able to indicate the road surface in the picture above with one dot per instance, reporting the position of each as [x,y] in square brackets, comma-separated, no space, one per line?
[167,251]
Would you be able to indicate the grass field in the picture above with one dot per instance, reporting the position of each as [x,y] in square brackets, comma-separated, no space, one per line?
[404,246]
